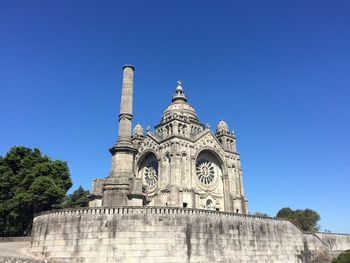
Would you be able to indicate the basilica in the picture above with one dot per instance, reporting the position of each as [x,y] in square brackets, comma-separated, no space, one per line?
[180,163]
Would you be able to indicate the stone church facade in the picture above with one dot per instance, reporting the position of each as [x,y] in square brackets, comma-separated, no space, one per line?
[182,163]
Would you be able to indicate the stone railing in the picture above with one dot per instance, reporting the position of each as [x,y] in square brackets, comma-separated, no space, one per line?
[151,210]
[331,233]
[24,260]
[14,239]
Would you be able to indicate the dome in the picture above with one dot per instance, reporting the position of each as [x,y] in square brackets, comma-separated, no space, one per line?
[179,105]
[138,130]
[222,126]
[180,109]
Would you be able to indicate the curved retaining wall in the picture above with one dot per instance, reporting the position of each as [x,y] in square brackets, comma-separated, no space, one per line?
[335,242]
[151,234]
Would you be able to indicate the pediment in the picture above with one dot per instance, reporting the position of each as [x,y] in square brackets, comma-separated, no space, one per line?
[208,140]
[148,144]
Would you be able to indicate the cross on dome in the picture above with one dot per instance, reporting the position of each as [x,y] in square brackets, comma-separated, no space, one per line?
[179,85]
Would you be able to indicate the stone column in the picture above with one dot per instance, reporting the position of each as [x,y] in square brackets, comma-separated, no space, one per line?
[175,170]
[227,199]
[123,151]
[125,116]
[243,200]
[193,182]
[121,187]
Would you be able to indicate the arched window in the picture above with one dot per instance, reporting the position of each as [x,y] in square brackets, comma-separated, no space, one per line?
[183,167]
[209,205]
[208,179]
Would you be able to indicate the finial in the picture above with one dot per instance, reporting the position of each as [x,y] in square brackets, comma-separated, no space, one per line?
[179,87]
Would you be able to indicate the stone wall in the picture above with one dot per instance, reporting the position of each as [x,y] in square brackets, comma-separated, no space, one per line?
[14,250]
[23,260]
[150,234]
[336,242]
[15,239]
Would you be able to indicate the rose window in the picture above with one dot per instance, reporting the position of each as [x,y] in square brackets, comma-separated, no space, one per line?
[205,171]
[151,173]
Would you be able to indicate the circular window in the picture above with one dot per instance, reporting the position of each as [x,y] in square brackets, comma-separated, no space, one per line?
[208,171]
[150,171]
[151,176]
[205,171]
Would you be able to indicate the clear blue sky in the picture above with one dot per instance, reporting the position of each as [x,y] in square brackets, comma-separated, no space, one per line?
[277,71]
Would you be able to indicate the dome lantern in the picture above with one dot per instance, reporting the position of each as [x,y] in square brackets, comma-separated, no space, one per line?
[179,93]
[179,106]
[222,126]
[138,130]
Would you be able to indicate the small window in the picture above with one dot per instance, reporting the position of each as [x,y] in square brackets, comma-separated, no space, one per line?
[217,209]
[184,204]
[209,205]
[166,204]
[237,211]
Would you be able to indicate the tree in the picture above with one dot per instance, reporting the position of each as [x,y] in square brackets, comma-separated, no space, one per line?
[306,219]
[29,183]
[344,257]
[79,198]
[261,214]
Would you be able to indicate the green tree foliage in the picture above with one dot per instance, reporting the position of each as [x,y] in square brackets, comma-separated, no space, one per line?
[343,257]
[29,183]
[306,219]
[79,198]
[260,214]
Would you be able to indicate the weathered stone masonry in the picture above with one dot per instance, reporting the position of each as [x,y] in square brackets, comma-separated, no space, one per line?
[158,234]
